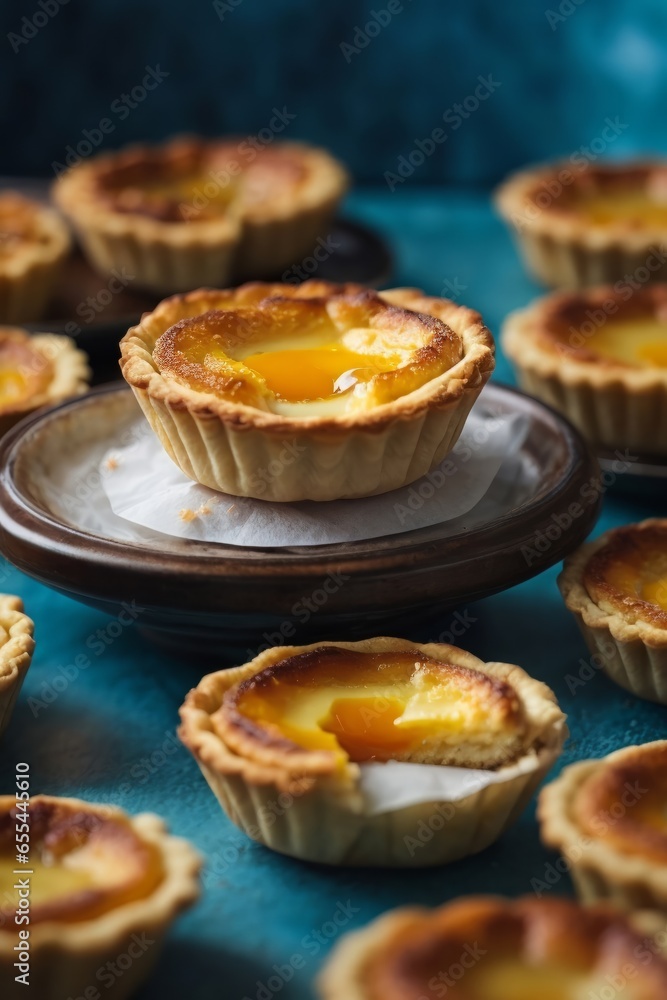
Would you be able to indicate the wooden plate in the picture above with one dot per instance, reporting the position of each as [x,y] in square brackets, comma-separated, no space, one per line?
[228,599]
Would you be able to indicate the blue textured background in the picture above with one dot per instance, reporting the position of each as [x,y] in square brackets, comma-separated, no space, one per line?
[108,735]
[98,737]
[559,79]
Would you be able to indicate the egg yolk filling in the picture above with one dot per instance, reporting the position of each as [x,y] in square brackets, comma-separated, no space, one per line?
[638,342]
[375,706]
[316,372]
[511,979]
[625,803]
[640,208]
[23,373]
[644,578]
[80,865]
[307,357]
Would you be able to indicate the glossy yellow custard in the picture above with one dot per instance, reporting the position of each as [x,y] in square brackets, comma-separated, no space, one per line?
[179,199]
[510,979]
[300,374]
[624,802]
[640,342]
[378,706]
[647,581]
[307,357]
[80,863]
[639,209]
[629,573]
[24,373]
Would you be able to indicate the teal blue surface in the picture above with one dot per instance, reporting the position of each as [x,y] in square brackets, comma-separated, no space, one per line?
[106,733]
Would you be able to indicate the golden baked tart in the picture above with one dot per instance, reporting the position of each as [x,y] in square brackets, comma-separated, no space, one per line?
[36,370]
[34,242]
[308,392]
[97,885]
[600,357]
[193,212]
[608,819]
[16,649]
[489,948]
[589,225]
[308,727]
[616,587]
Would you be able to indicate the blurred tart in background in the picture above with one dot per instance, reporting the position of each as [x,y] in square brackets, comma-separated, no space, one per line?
[300,723]
[607,818]
[587,224]
[600,357]
[37,370]
[34,242]
[101,884]
[194,212]
[616,587]
[16,649]
[488,948]
[367,391]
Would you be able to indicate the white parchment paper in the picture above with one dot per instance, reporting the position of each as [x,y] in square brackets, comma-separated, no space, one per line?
[396,785]
[144,487]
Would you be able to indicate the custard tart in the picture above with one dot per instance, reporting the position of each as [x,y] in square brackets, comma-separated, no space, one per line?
[330,391]
[589,224]
[600,357]
[98,891]
[34,242]
[489,948]
[616,588]
[286,743]
[607,818]
[16,649]
[37,370]
[195,212]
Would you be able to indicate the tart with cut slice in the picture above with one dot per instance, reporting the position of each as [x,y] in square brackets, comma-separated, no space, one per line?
[332,391]
[302,725]
[194,212]
[37,370]
[16,649]
[607,818]
[98,884]
[34,243]
[488,948]
[616,586]
[600,357]
[590,224]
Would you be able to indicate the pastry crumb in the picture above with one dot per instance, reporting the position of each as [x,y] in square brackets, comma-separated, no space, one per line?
[187,514]
[111,463]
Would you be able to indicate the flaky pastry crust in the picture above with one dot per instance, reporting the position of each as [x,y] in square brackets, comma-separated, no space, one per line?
[628,634]
[410,953]
[65,955]
[593,813]
[275,201]
[611,402]
[246,773]
[16,649]
[221,442]
[562,247]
